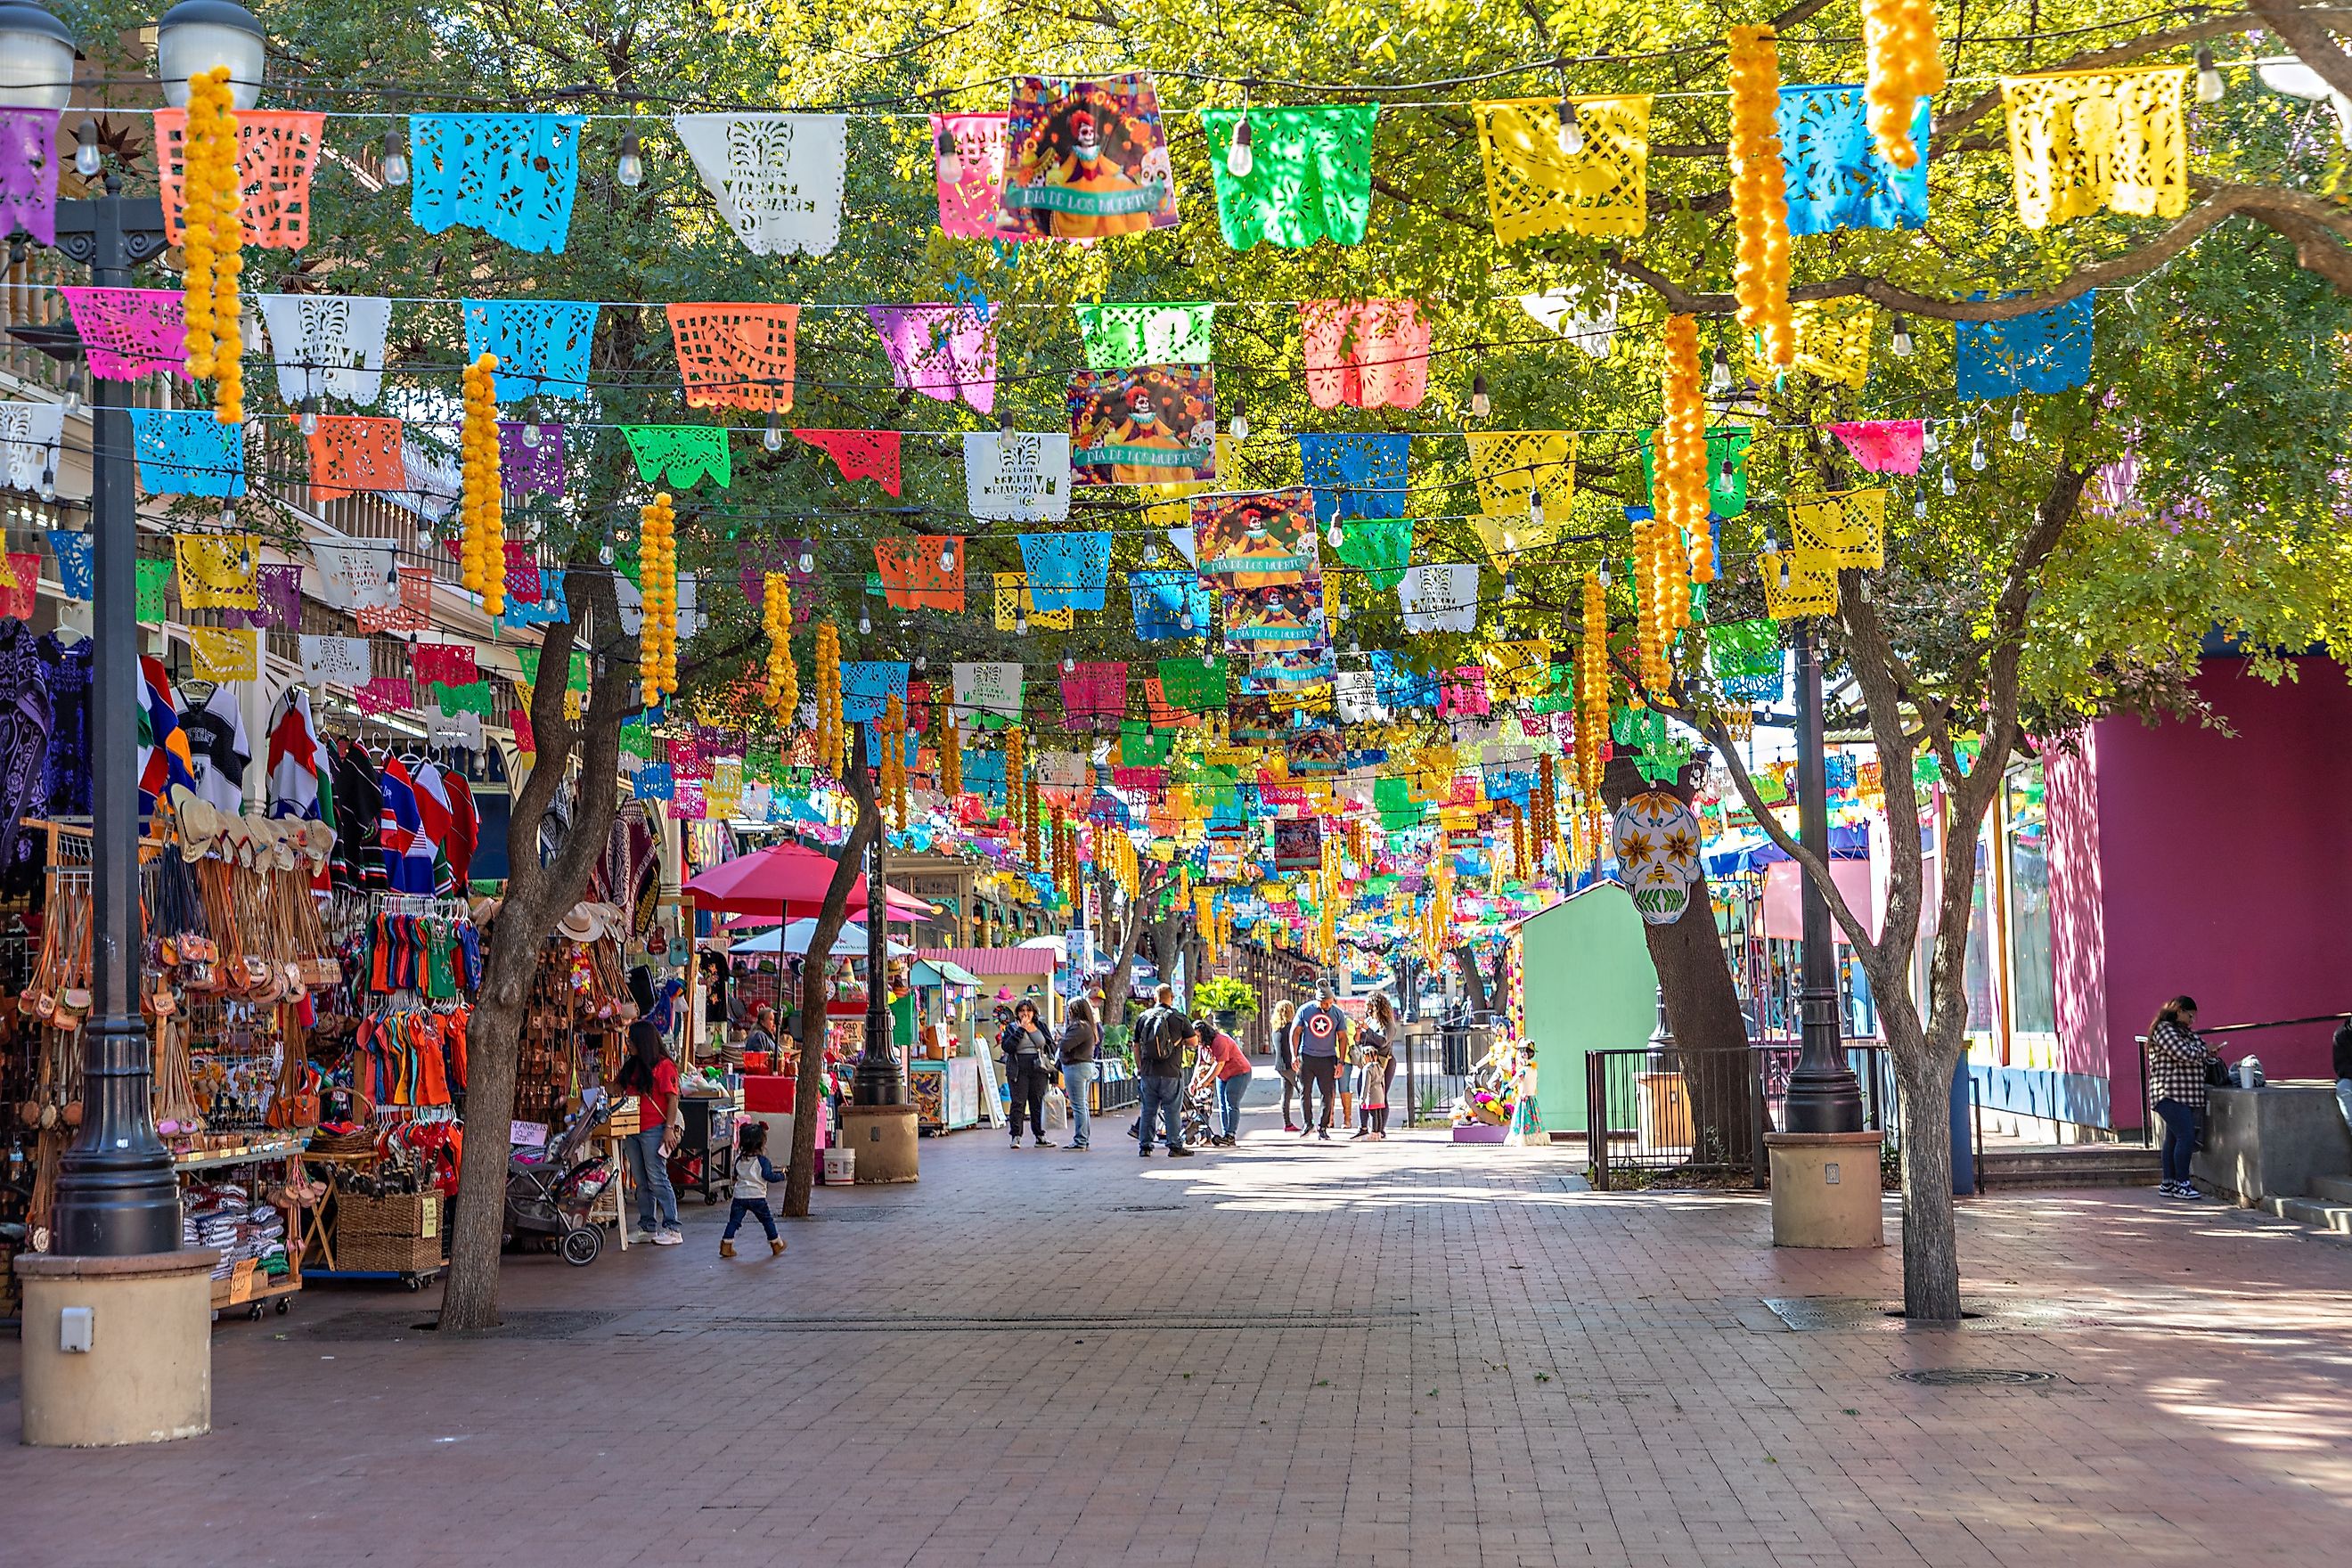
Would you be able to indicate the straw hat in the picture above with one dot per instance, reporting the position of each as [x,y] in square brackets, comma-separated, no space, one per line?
[580,925]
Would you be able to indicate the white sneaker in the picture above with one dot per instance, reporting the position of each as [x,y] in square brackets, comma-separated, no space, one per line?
[668,1238]
[641,1236]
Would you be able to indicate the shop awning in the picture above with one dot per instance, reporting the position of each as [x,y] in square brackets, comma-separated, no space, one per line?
[794,938]
[943,972]
[990,960]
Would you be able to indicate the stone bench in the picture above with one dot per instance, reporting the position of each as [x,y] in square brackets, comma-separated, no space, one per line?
[2273,1142]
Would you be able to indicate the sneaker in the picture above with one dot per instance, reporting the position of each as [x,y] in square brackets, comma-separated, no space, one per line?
[2189,1191]
[1016,1141]
[1179,1153]
[1324,1133]
[668,1238]
[1046,1143]
[642,1236]
[726,1247]
[1144,1153]
[1081,1147]
[1303,1132]
[1290,1127]
[2169,1189]
[776,1246]
[1359,1133]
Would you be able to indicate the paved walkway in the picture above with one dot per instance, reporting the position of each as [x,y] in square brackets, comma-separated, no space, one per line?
[1363,1354]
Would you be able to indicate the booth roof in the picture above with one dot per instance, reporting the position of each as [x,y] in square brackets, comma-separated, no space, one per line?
[994,960]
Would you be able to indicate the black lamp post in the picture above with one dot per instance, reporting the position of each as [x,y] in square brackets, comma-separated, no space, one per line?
[877,1080]
[117,1193]
[1824,1096]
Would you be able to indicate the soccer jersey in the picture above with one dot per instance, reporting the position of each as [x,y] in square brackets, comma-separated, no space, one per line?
[216,741]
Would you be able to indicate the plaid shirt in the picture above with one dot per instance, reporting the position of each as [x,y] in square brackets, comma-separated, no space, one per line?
[2176,1065]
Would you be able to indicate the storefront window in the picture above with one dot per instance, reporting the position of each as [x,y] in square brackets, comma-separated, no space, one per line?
[2029,903]
[1981,1016]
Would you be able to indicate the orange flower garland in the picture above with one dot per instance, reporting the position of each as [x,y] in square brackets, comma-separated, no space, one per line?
[1592,686]
[949,741]
[1663,592]
[1030,812]
[482,552]
[783,682]
[1015,769]
[657,569]
[893,735]
[213,242]
[1901,65]
[829,731]
[1759,195]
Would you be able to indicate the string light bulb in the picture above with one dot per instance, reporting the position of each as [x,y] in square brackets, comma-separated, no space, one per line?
[772,439]
[1510,586]
[947,557]
[2210,85]
[631,171]
[1902,343]
[310,416]
[1241,420]
[1571,129]
[1239,160]
[950,163]
[808,561]
[2016,424]
[1718,379]
[1976,458]
[1481,404]
[1069,665]
[394,164]
[531,434]
[1927,442]
[864,622]
[1332,536]
[1535,511]
[88,154]
[1020,623]
[1951,486]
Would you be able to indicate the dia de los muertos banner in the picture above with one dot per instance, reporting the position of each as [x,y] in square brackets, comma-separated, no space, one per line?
[1084,160]
[1154,424]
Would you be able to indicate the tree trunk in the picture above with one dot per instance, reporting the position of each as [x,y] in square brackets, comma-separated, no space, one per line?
[1474,981]
[540,892]
[1702,1004]
[1116,983]
[800,1177]
[1931,1259]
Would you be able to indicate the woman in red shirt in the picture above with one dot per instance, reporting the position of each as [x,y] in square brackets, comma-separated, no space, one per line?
[651,1077]
[1232,1069]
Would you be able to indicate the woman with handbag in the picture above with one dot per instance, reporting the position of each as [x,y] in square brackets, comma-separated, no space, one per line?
[651,1077]
[1080,1036]
[1026,1050]
[2178,1062]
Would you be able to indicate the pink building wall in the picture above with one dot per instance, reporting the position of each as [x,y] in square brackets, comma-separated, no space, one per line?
[2186,859]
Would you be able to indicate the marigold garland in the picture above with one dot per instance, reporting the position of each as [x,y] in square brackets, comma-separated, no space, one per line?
[1901,65]
[657,573]
[1592,686]
[783,693]
[1759,195]
[212,242]
[1662,587]
[949,741]
[1014,771]
[893,759]
[829,733]
[482,549]
[1029,824]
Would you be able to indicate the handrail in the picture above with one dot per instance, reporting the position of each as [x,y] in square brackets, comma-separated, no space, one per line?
[2147,1103]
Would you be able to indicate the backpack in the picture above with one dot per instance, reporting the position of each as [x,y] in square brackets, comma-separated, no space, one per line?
[1163,1035]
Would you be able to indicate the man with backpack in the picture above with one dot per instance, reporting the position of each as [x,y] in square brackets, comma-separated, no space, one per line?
[1161,1035]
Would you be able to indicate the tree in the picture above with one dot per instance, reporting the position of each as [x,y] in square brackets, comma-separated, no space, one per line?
[831,917]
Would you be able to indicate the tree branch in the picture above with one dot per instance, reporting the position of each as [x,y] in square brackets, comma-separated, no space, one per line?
[2311,31]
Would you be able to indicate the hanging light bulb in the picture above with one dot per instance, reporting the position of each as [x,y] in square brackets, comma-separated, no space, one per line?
[808,560]
[1718,379]
[1976,458]
[310,416]
[1510,542]
[922,662]
[1510,588]
[604,552]
[864,622]
[1927,442]
[1481,404]
[631,171]
[228,517]
[1020,623]
[73,390]
[1600,574]
[1535,511]
[1185,620]
[1340,607]
[1572,130]
[1332,536]
[396,159]
[772,439]
[2209,86]
[1069,665]
[1902,345]
[1241,420]
[48,485]
[531,434]
[1951,486]
[2016,424]
[1238,158]
[1919,505]
[947,558]
[951,164]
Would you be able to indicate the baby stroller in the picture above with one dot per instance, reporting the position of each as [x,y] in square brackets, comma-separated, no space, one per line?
[1198,1114]
[549,1196]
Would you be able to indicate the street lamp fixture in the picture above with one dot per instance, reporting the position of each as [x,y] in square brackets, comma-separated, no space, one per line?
[36,58]
[196,36]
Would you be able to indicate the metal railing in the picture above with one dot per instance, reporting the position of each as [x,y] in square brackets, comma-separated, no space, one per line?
[2147,1100]
[1642,1112]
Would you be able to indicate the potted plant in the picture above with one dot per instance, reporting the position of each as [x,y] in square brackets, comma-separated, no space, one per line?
[1228,998]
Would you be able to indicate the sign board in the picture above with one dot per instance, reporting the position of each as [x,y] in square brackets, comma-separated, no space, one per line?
[527,1134]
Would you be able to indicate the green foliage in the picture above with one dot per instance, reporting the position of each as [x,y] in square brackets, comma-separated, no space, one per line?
[1221,994]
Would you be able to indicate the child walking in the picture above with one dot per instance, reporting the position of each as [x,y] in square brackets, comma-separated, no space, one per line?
[1379,1065]
[752,1174]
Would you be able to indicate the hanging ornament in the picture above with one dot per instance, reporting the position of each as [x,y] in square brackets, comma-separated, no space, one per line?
[829,731]
[783,682]
[482,552]
[1759,197]
[1901,65]
[1015,769]
[951,745]
[657,575]
[1663,591]
[1592,686]
[213,243]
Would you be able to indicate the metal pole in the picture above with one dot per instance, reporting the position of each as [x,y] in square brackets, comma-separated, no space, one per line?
[1823,1095]
[877,1079]
[116,1193]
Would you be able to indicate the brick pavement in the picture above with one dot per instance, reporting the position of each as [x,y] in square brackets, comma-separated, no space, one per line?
[1360,1355]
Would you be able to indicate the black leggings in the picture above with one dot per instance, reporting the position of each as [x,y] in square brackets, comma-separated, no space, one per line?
[1319,1072]
[1380,1115]
[1029,1085]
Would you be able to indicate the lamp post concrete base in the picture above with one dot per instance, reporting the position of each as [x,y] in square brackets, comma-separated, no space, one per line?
[1825,1189]
[884,1138]
[146,1372]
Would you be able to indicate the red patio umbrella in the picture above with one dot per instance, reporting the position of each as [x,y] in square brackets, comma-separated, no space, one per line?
[786,881]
